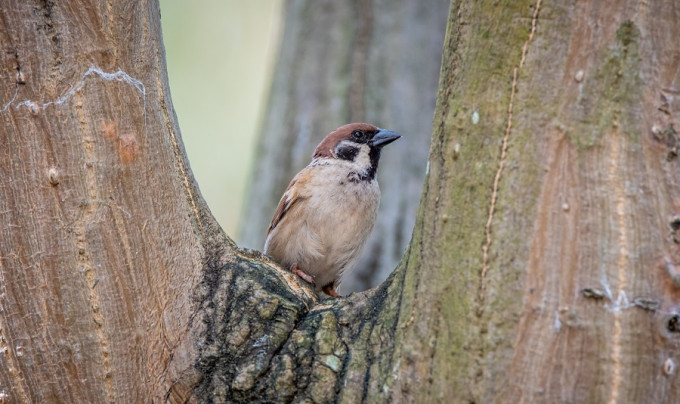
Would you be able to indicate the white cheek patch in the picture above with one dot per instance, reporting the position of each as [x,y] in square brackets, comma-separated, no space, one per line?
[344,143]
[362,158]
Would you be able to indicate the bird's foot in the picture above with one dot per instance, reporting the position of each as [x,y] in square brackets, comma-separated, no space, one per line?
[302,274]
[330,290]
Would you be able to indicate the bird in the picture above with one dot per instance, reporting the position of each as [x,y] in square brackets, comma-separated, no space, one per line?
[328,210]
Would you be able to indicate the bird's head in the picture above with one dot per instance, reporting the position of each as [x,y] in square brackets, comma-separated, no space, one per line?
[357,143]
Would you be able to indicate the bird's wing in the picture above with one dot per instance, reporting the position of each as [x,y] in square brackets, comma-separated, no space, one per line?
[295,193]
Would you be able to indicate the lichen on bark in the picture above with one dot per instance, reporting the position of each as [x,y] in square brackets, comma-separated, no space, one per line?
[269,337]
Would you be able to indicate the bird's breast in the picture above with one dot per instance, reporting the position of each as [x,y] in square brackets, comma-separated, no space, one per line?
[344,212]
[325,229]
[344,199]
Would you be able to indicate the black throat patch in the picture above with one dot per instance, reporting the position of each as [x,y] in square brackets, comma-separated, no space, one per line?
[365,176]
[369,173]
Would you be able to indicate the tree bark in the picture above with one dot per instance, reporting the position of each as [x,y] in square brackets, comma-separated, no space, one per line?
[370,61]
[542,266]
[103,233]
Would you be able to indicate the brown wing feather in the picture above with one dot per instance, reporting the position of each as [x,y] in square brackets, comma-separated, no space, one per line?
[282,208]
[294,193]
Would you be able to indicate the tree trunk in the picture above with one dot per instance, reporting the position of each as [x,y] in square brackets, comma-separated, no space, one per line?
[542,266]
[352,61]
[103,233]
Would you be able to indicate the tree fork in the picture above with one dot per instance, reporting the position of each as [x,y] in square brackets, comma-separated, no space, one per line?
[116,284]
[266,336]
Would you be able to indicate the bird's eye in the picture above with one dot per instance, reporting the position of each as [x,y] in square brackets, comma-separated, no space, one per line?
[358,135]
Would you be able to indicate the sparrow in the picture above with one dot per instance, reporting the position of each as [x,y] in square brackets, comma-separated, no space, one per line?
[327,212]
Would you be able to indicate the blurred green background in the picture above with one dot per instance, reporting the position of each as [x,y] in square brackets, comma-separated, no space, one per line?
[220,57]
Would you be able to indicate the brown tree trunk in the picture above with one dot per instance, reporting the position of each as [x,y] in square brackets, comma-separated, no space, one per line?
[103,233]
[542,266]
[370,61]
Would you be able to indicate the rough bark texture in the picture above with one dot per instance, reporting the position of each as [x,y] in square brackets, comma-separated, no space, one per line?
[103,233]
[352,61]
[542,266]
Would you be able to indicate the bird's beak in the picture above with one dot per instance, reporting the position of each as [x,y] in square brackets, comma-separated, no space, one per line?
[384,137]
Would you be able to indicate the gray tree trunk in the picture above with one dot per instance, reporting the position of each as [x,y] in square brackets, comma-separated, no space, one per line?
[367,60]
[542,268]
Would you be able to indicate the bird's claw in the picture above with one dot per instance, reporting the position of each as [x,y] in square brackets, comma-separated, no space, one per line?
[330,290]
[302,274]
